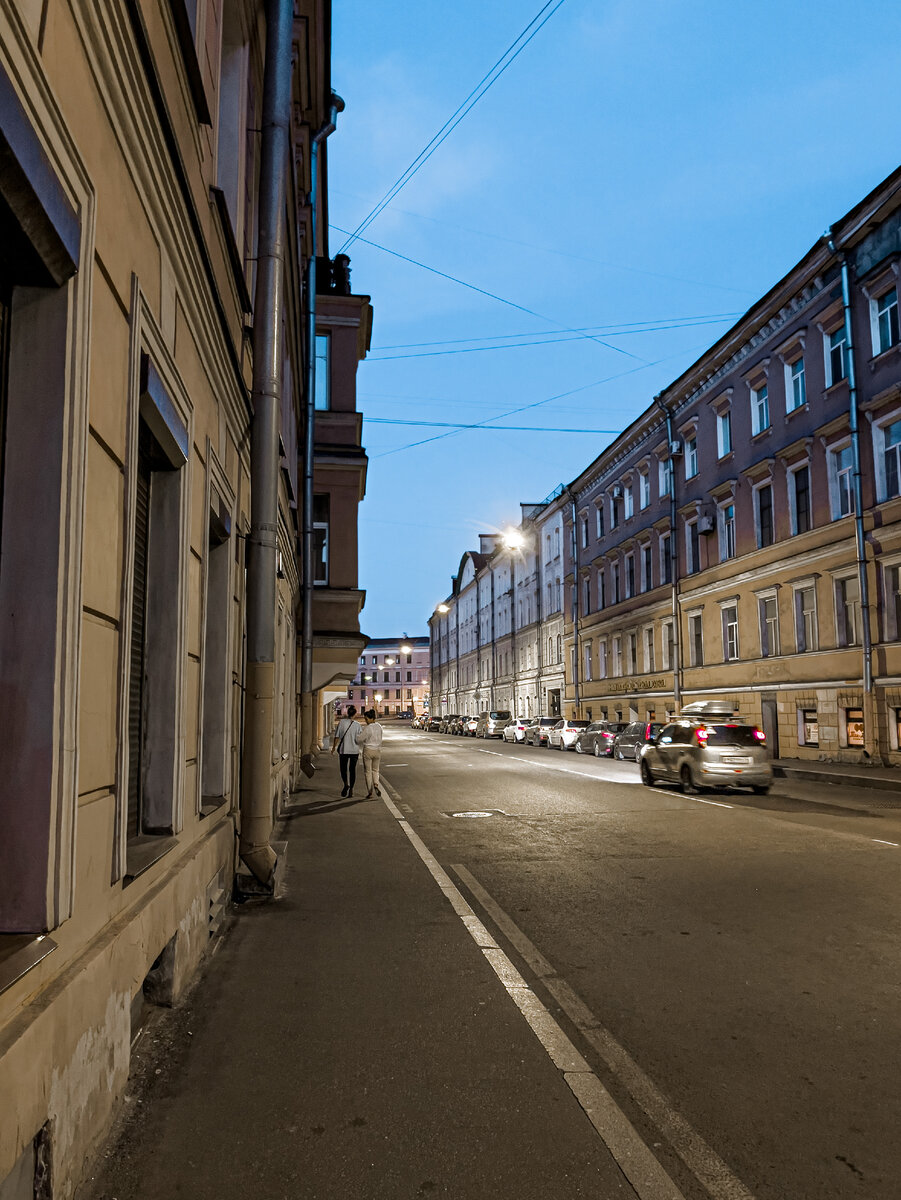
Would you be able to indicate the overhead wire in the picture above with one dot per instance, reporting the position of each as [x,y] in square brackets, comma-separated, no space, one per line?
[485,83]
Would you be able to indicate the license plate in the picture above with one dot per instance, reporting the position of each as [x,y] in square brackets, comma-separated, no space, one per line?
[734,759]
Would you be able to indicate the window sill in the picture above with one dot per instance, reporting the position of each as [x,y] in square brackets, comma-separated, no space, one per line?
[211,804]
[142,852]
[19,953]
[761,434]
[836,387]
[790,412]
[883,357]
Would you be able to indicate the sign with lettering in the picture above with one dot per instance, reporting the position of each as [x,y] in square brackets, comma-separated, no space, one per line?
[617,686]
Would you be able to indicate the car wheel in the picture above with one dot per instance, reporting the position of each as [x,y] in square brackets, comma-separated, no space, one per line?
[635,754]
[647,775]
[598,752]
[688,784]
[760,789]
[579,749]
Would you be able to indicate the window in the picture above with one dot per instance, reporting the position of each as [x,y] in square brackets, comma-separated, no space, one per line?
[397,676]
[808,727]
[321,542]
[614,513]
[724,434]
[547,547]
[602,592]
[556,543]
[588,662]
[730,632]
[836,356]
[614,578]
[217,665]
[853,723]
[602,660]
[646,577]
[691,457]
[888,451]
[409,675]
[560,647]
[841,479]
[806,618]
[583,524]
[631,653]
[649,649]
[630,575]
[727,531]
[695,640]
[628,503]
[599,519]
[892,585]
[644,489]
[769,626]
[665,476]
[799,499]
[795,385]
[668,645]
[323,372]
[848,611]
[886,323]
[760,410]
[617,656]
[666,559]
[763,501]
[692,547]
[586,597]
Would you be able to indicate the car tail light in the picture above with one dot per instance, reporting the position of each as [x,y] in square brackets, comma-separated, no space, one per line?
[702,735]
[760,735]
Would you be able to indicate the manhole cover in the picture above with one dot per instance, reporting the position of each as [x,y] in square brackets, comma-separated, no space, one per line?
[496,812]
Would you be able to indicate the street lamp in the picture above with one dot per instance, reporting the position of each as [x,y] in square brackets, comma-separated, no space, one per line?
[514,539]
[378,700]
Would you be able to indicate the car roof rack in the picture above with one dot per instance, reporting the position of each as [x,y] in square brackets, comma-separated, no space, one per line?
[709,709]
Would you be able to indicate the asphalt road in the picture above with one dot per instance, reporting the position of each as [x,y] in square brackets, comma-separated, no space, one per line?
[730,964]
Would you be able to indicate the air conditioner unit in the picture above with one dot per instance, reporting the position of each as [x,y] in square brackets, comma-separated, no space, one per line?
[617,491]
[675,448]
[706,524]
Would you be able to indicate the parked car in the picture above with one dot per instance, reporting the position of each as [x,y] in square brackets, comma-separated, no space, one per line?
[491,724]
[628,743]
[598,738]
[702,749]
[455,725]
[537,732]
[563,735]
[469,726]
[447,721]
[434,724]
[515,729]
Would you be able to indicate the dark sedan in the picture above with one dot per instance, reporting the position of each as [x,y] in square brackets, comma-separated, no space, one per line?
[628,744]
[597,739]
[537,732]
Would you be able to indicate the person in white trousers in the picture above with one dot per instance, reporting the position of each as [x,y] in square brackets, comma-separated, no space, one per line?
[369,740]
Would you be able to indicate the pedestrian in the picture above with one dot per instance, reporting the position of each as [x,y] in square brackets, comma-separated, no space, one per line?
[370,739]
[345,742]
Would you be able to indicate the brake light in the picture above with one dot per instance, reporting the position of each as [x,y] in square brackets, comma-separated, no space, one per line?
[702,735]
[760,735]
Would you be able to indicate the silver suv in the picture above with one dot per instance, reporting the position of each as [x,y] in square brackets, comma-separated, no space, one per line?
[491,724]
[707,748]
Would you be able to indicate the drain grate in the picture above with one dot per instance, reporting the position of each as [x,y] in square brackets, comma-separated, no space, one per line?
[478,812]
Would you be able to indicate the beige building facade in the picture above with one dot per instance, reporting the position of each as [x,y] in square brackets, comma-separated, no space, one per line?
[131,189]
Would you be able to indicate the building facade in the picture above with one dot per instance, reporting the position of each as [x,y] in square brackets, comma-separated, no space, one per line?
[739,541]
[392,677]
[137,281]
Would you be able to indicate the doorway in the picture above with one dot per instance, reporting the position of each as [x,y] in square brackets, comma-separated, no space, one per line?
[771,727]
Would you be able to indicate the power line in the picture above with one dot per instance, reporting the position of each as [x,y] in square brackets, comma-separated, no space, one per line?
[545,341]
[491,295]
[483,425]
[485,83]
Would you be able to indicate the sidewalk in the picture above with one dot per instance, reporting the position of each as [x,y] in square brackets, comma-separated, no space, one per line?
[350,1040]
[840,774]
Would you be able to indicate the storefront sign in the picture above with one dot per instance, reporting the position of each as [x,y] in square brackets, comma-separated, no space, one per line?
[624,686]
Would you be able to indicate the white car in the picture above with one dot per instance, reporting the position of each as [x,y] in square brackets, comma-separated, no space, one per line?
[515,729]
[565,733]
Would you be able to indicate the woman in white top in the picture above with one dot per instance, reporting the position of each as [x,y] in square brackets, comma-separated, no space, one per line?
[370,740]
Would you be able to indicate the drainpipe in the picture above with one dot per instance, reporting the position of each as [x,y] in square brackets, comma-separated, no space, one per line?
[307,716]
[492,701]
[576,644]
[262,544]
[674,562]
[870,731]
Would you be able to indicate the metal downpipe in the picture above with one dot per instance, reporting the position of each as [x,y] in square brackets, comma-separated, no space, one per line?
[870,731]
[307,716]
[262,543]
[577,709]
[674,562]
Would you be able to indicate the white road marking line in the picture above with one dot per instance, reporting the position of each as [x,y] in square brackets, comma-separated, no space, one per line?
[634,1157]
[718,803]
[701,1159]
[882,842]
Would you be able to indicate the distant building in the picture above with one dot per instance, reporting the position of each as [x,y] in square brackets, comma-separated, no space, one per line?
[392,677]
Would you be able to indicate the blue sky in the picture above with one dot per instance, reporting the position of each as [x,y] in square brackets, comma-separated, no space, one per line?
[636,166]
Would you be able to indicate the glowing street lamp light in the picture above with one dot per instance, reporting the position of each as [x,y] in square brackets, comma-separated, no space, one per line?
[378,698]
[513,539]
[405,649]
[443,608]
